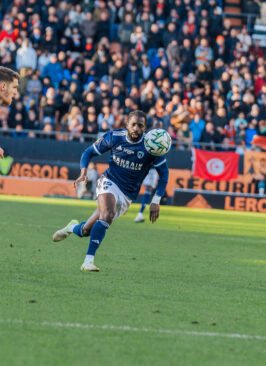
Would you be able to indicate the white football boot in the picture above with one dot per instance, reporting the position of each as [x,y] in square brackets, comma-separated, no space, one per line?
[64,233]
[139,218]
[89,267]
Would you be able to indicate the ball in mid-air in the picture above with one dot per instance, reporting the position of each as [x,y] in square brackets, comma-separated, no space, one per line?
[157,142]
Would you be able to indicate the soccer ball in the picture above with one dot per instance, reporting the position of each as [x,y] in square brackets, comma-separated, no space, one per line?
[157,142]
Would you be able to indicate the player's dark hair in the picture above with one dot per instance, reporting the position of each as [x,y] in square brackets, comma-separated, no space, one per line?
[7,75]
[138,114]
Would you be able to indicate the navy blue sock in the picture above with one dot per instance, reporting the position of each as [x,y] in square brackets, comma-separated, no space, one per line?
[78,229]
[145,200]
[97,234]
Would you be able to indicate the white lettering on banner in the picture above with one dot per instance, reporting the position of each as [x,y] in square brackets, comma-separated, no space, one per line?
[215,166]
[127,164]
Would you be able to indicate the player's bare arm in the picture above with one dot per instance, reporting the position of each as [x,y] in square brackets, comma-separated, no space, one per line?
[1,153]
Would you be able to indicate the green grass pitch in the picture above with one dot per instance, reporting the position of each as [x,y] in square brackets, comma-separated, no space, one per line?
[188,290]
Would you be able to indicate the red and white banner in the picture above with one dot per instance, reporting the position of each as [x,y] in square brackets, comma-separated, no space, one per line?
[215,165]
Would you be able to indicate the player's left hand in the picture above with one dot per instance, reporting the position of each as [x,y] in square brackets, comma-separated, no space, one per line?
[154,212]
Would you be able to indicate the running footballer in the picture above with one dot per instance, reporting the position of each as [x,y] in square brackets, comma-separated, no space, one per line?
[120,184]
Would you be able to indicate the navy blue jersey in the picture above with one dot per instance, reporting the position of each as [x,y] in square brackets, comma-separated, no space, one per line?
[129,162]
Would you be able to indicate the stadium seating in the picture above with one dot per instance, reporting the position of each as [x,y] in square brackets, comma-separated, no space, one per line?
[85,67]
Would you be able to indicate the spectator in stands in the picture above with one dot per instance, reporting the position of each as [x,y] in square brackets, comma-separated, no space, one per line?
[184,136]
[26,56]
[252,7]
[8,31]
[154,40]
[54,71]
[244,39]
[197,126]
[49,108]
[251,131]
[105,116]
[203,53]
[88,26]
[125,30]
[49,41]
[91,122]
[210,136]
[138,39]
[175,60]
[33,122]
[230,131]
[75,120]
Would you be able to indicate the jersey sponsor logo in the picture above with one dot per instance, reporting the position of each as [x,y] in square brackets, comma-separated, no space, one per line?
[127,164]
[128,151]
[140,154]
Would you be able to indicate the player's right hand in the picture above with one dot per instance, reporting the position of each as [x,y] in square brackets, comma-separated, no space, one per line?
[1,153]
[81,178]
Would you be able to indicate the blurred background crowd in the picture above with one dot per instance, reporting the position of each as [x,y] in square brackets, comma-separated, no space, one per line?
[85,65]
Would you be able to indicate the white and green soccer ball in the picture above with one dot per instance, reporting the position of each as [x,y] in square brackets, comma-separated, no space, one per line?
[157,142]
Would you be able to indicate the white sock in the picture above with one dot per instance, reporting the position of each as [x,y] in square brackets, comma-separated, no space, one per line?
[71,227]
[89,259]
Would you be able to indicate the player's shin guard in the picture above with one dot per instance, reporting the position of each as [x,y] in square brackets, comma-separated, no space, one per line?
[77,229]
[145,200]
[97,235]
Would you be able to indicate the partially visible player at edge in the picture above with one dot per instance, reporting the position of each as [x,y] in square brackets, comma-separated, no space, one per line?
[8,89]
[120,184]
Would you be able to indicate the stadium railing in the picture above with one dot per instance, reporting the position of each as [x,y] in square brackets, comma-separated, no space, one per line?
[52,134]
[90,138]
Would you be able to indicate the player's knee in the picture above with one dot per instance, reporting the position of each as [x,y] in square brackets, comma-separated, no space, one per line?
[108,215]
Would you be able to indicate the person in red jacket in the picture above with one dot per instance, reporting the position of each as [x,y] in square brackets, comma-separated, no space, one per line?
[8,32]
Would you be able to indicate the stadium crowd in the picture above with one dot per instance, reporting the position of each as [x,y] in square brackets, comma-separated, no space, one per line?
[85,65]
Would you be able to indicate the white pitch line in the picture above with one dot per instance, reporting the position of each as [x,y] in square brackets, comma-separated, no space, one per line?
[131,329]
[28,225]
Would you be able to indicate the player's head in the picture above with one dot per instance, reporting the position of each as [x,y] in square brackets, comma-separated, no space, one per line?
[8,85]
[136,125]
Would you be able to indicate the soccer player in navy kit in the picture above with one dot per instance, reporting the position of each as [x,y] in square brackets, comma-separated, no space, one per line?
[120,184]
